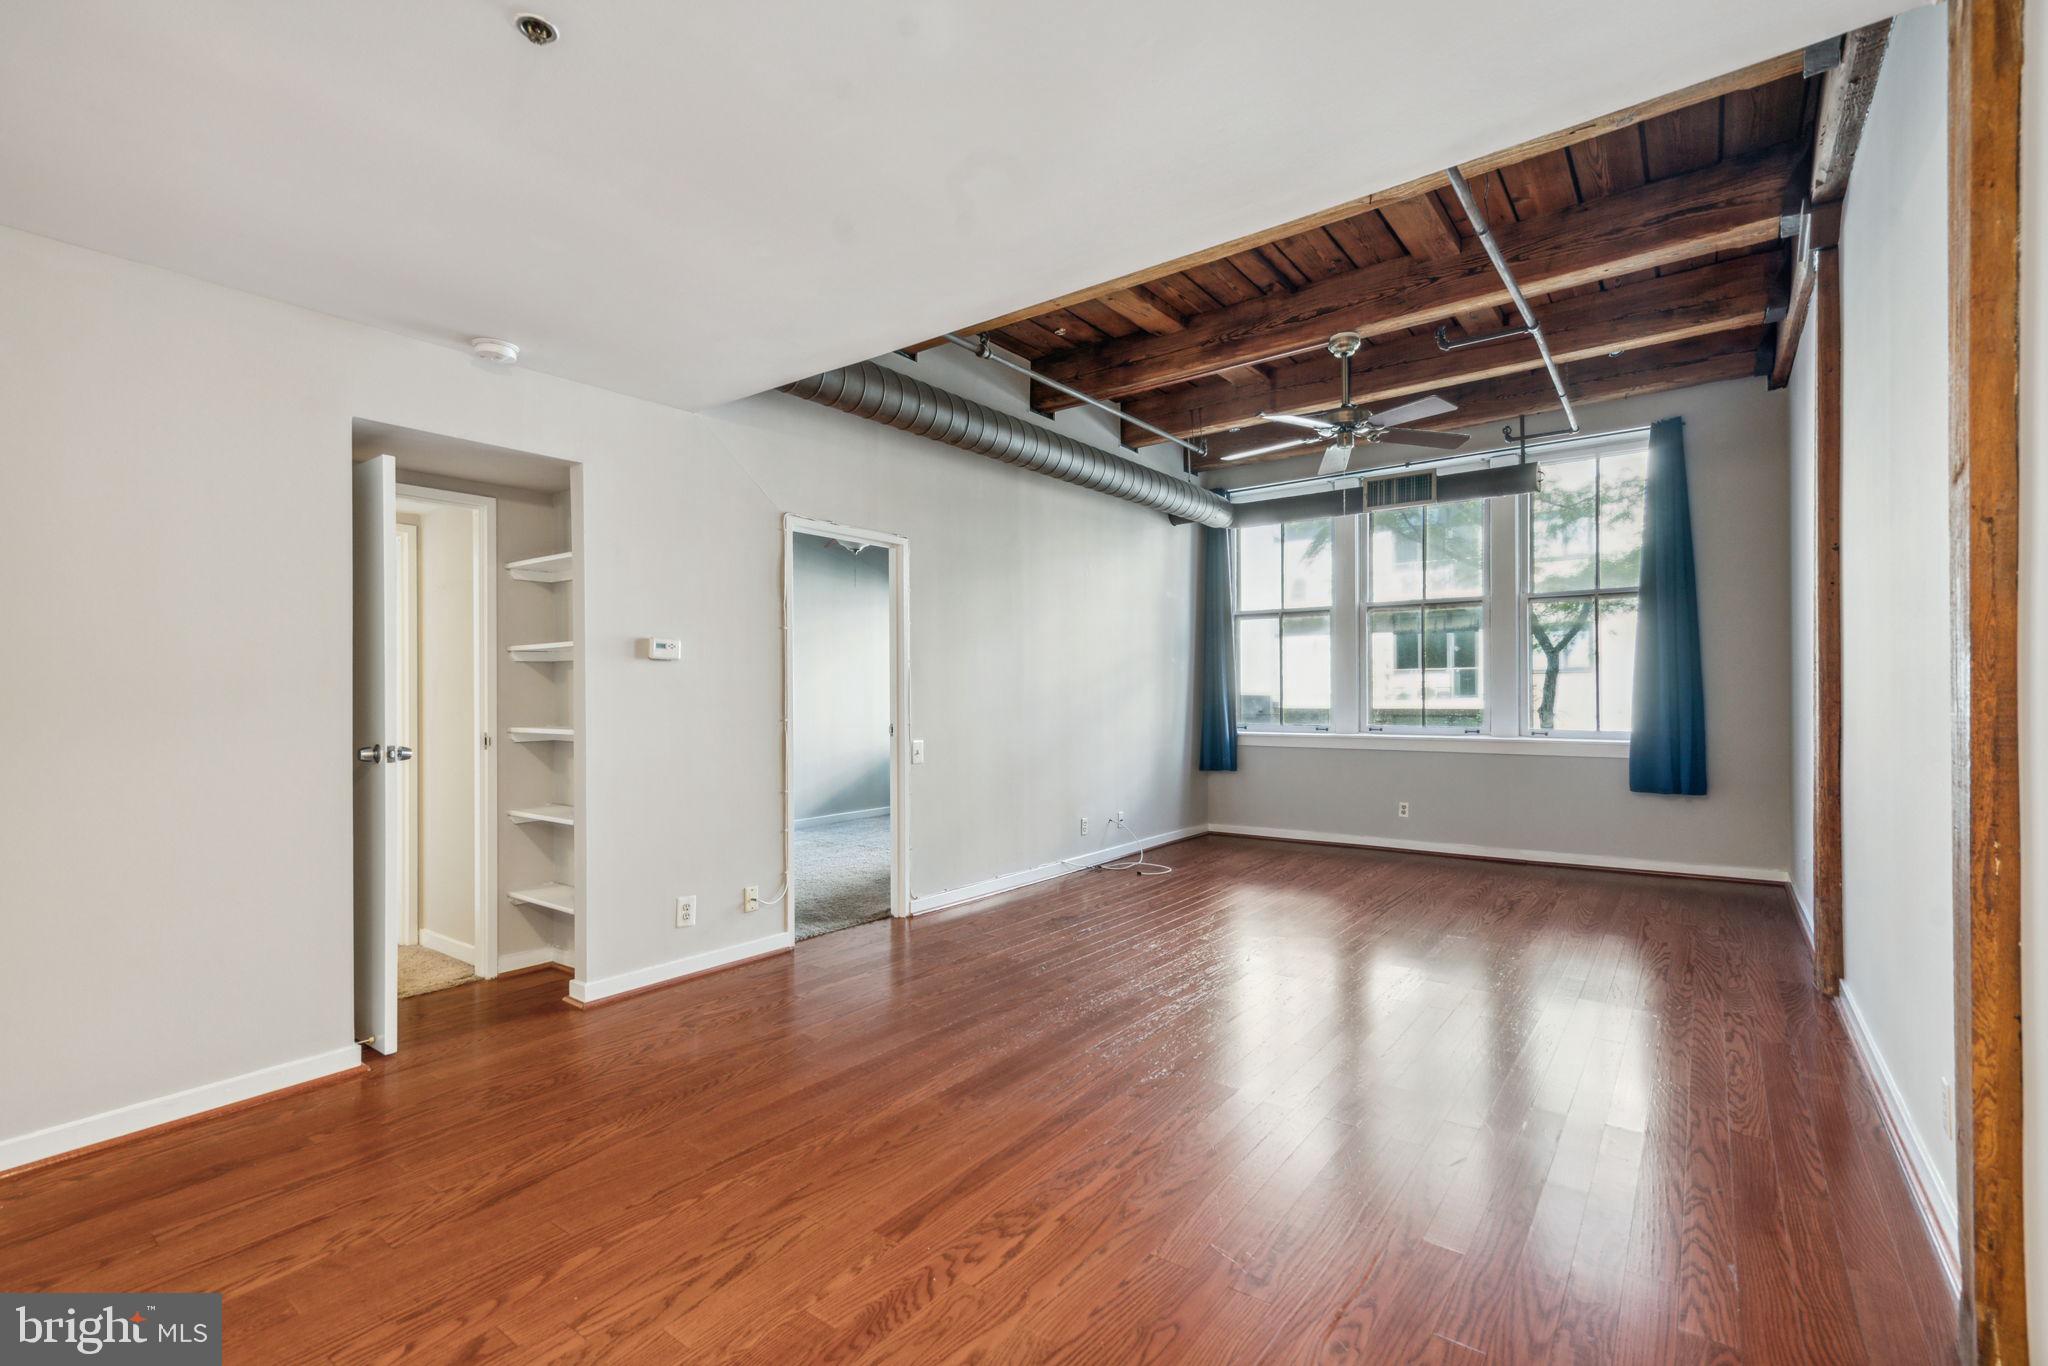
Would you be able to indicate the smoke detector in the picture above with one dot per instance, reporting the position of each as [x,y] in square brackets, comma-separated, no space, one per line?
[536,30]
[493,350]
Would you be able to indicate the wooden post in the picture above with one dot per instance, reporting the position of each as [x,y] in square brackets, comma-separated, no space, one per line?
[1984,523]
[1827,625]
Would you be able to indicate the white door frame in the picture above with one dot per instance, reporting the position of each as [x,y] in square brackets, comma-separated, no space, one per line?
[406,727]
[899,705]
[484,625]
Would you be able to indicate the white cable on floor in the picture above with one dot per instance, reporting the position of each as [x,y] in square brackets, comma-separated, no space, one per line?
[1145,867]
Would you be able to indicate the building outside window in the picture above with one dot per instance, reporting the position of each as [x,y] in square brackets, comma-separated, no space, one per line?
[1504,616]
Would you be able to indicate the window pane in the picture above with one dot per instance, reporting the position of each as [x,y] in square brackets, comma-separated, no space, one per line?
[1617,657]
[1622,481]
[1305,669]
[1561,687]
[1258,568]
[1397,555]
[1307,562]
[1453,678]
[1394,658]
[1258,671]
[1457,549]
[1561,527]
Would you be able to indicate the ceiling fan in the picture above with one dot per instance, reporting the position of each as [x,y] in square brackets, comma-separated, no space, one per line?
[1347,427]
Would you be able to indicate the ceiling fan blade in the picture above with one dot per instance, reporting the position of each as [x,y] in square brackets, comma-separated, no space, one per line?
[1335,460]
[1415,436]
[1313,424]
[1427,406]
[1293,445]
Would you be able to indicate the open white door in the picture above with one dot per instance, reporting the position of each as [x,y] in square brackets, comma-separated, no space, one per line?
[379,874]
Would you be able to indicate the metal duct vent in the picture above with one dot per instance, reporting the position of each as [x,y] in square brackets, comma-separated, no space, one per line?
[881,395]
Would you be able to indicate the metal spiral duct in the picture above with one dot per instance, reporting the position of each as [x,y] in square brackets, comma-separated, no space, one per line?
[881,395]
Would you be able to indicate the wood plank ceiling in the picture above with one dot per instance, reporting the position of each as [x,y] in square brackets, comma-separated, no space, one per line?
[1651,244]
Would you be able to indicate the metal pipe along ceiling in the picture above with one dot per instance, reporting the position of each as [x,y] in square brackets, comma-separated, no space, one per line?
[909,405]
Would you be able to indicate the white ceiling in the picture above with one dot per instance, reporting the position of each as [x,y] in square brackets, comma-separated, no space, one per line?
[693,201]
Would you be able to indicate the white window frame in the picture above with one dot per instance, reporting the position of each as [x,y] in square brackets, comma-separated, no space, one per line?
[1504,616]
[1526,596]
[1343,638]
[1361,533]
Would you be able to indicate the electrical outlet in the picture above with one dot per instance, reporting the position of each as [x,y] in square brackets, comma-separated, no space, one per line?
[686,912]
[1084,825]
[1948,1107]
[750,897]
[1404,811]
[1119,820]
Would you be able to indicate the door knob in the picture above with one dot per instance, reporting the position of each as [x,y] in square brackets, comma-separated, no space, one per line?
[369,754]
[398,754]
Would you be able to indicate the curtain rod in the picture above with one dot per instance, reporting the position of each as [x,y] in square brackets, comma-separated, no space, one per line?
[1243,492]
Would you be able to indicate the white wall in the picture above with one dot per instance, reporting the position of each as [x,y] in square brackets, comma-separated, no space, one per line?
[179,868]
[841,675]
[1580,808]
[1898,950]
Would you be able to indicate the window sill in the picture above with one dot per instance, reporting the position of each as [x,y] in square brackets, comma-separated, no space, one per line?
[1536,745]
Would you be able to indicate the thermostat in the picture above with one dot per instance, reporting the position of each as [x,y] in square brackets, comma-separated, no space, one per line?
[655,647]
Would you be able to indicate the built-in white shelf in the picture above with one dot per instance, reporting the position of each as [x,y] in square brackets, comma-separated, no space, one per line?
[534,735]
[543,652]
[552,896]
[559,567]
[554,813]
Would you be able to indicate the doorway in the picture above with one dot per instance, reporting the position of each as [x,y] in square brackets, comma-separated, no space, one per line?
[846,680]
[446,929]
[425,772]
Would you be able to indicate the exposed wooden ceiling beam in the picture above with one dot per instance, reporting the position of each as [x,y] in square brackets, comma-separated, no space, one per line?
[1749,77]
[1845,95]
[1714,298]
[1701,360]
[1730,206]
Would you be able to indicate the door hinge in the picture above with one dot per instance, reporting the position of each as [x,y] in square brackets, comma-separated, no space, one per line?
[487,739]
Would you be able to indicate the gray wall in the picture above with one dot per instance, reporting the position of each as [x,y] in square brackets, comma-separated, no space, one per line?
[841,645]
[1543,805]
[182,857]
[1898,931]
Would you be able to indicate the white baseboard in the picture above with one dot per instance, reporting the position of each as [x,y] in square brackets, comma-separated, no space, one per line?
[1805,912]
[1624,865]
[598,990]
[532,958]
[1930,1197]
[974,891]
[840,817]
[454,948]
[147,1114]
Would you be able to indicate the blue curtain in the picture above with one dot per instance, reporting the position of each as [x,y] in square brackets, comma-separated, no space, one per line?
[1219,656]
[1668,750]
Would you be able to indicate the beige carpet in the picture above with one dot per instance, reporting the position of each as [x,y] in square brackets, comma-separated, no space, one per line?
[421,970]
[842,875]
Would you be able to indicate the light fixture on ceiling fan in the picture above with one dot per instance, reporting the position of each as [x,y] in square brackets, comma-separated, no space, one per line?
[1345,427]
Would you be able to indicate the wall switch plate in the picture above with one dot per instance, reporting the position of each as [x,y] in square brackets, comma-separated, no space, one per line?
[686,912]
[660,647]
[1084,825]
[750,897]
[917,751]
[1404,811]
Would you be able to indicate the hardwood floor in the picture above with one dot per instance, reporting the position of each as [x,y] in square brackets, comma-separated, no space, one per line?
[1291,1103]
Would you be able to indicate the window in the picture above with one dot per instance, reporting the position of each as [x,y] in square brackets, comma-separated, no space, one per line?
[1585,539]
[1425,619]
[1285,591]
[1505,616]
